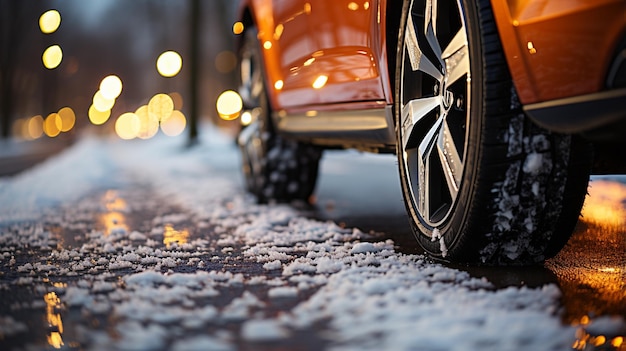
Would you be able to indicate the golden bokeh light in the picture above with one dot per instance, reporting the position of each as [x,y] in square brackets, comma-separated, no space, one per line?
[175,124]
[52,57]
[98,117]
[127,126]
[238,28]
[246,118]
[52,125]
[267,45]
[161,106]
[148,123]
[68,119]
[102,103]
[49,21]
[225,61]
[229,105]
[35,127]
[111,87]
[169,64]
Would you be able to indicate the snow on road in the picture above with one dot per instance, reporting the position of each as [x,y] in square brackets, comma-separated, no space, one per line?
[249,275]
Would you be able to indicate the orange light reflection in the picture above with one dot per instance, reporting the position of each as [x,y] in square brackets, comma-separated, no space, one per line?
[595,284]
[172,236]
[115,219]
[605,204]
[586,341]
[55,324]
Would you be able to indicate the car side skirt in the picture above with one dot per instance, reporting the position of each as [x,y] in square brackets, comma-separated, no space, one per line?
[580,113]
[368,129]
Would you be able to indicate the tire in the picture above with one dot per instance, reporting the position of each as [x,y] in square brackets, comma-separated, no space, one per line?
[275,169]
[481,183]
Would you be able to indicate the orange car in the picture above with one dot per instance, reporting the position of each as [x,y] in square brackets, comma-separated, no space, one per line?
[492,107]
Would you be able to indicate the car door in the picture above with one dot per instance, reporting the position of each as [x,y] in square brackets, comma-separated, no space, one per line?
[344,56]
[320,52]
[286,45]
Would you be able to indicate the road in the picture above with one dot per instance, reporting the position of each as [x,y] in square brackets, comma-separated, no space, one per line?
[591,270]
[147,246]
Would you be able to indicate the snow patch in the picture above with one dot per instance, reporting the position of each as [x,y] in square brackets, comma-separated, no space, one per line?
[442,243]
[355,294]
[263,330]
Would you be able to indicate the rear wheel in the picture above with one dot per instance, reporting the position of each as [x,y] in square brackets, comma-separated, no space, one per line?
[481,182]
[275,169]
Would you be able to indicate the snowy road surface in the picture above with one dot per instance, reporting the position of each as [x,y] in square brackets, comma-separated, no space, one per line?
[146,246]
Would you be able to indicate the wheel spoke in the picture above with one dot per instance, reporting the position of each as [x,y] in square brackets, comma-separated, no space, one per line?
[414,112]
[450,160]
[424,153]
[426,146]
[419,62]
[431,16]
[457,58]
[430,29]
[416,172]
[457,43]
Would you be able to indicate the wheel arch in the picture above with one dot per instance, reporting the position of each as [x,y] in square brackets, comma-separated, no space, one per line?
[246,18]
[393,17]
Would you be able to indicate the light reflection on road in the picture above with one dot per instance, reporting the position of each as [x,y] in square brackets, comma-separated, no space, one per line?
[115,218]
[172,236]
[55,324]
[591,269]
[606,204]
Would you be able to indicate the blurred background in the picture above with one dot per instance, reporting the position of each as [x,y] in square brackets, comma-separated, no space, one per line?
[127,68]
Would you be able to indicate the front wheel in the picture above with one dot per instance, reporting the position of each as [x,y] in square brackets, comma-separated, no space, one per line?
[481,183]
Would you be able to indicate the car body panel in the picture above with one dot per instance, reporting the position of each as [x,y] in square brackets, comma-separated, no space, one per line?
[320,52]
[543,65]
[282,27]
[343,43]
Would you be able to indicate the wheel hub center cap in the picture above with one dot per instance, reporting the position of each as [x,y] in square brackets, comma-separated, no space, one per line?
[447,98]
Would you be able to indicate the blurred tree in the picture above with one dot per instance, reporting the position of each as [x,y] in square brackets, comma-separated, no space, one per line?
[11,25]
[118,37]
[194,52]
[217,37]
